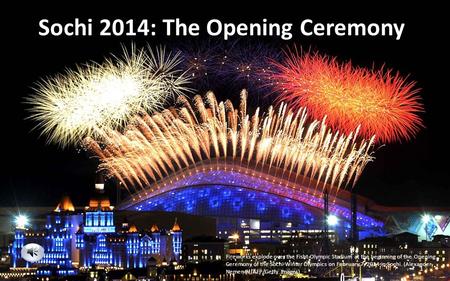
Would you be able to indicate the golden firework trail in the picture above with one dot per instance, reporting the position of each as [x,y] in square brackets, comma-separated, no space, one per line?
[93,98]
[154,146]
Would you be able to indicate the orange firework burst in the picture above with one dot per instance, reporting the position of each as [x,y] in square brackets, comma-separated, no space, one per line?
[158,145]
[384,104]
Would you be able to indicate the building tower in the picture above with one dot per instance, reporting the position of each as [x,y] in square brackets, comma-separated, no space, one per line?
[56,237]
[17,245]
[177,240]
[133,247]
[92,237]
[61,225]
[156,238]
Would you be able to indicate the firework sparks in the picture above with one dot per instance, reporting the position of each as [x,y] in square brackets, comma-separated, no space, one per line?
[234,64]
[87,101]
[279,141]
[249,63]
[200,59]
[380,102]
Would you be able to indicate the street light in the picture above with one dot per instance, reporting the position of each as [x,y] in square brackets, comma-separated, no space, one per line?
[332,220]
[426,218]
[235,236]
[21,221]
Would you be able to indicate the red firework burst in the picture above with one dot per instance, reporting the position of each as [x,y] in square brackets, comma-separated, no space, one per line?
[380,102]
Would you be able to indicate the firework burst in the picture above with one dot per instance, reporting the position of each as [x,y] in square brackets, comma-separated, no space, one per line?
[279,142]
[248,63]
[95,97]
[200,59]
[236,64]
[382,103]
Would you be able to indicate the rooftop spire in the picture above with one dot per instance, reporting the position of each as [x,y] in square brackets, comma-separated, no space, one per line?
[154,228]
[65,205]
[176,227]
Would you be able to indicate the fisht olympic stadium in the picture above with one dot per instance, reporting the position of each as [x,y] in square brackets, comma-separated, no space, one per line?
[248,202]
[261,175]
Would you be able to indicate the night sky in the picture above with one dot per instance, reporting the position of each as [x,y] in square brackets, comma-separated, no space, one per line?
[408,174]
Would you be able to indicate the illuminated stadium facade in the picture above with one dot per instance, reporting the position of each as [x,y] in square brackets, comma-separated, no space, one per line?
[244,199]
[256,204]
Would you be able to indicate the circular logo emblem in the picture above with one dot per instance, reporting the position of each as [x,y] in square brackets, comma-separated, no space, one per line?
[32,252]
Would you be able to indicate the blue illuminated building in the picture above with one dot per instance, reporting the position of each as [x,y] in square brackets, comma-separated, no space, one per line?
[251,204]
[76,241]
[57,237]
[101,245]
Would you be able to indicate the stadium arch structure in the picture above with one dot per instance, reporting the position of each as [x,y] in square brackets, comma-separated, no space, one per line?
[262,199]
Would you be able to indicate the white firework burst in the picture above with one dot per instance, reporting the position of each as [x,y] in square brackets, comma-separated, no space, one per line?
[94,98]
